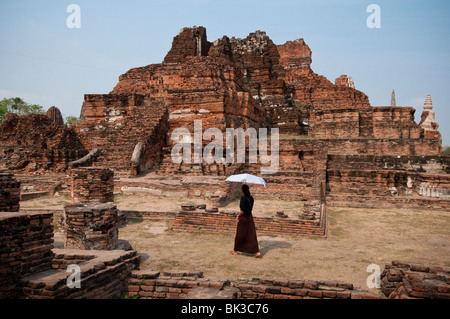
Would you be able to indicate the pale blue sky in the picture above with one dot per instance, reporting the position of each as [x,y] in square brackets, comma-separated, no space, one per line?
[45,62]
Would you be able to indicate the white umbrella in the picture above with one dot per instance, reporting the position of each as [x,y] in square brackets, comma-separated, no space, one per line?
[246,178]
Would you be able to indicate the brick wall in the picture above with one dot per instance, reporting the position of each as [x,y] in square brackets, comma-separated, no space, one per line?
[26,240]
[226,222]
[358,201]
[168,285]
[379,175]
[103,274]
[371,146]
[183,284]
[280,288]
[92,184]
[375,122]
[115,123]
[90,226]
[9,193]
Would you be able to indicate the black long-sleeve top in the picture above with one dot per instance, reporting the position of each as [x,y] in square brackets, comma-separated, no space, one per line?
[246,204]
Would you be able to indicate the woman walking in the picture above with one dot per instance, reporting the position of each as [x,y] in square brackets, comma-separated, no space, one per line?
[246,240]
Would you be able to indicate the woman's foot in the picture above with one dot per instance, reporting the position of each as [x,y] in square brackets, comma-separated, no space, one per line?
[233,252]
[258,255]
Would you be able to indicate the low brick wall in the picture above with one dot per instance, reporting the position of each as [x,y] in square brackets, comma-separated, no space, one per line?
[279,288]
[26,242]
[359,201]
[169,285]
[226,222]
[103,274]
[183,284]
[407,281]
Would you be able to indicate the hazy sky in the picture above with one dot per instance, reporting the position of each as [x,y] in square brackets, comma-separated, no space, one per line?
[47,63]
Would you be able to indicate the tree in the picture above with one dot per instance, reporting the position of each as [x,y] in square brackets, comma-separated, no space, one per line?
[71,119]
[3,110]
[446,150]
[18,106]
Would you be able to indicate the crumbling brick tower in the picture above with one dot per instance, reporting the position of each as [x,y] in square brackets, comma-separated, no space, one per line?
[91,221]
[244,83]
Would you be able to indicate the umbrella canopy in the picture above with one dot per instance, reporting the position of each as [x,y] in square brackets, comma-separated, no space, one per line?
[246,178]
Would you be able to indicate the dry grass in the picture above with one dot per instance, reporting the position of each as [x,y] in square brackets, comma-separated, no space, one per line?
[356,239]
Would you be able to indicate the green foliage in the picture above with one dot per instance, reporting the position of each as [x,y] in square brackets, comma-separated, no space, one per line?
[71,119]
[18,106]
[3,111]
[446,151]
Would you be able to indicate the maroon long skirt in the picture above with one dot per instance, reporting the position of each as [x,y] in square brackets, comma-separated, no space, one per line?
[246,240]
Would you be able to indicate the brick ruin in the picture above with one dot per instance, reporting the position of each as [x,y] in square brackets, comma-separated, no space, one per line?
[237,83]
[405,280]
[334,149]
[37,144]
[32,268]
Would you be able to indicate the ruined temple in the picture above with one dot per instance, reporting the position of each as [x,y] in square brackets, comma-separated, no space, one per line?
[334,148]
[240,83]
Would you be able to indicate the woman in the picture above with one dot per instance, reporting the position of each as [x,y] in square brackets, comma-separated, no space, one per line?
[246,240]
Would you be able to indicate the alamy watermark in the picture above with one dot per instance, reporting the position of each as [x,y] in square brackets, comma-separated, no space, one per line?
[189,149]
[374,20]
[373,280]
[74,279]
[73,21]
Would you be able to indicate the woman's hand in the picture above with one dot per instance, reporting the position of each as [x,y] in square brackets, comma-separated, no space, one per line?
[239,215]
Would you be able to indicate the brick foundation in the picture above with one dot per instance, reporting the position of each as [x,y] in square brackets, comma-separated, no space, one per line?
[90,226]
[185,284]
[103,274]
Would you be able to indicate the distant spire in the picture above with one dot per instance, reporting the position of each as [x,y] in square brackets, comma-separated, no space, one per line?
[393,103]
[428,105]
[428,120]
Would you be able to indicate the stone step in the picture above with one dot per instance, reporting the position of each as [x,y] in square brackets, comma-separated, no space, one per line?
[32,195]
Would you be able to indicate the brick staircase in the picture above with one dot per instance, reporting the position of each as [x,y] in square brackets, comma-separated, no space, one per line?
[117,142]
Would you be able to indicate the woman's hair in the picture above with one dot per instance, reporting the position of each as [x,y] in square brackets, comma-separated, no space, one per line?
[246,190]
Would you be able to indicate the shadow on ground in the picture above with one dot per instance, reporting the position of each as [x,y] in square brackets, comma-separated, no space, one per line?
[268,245]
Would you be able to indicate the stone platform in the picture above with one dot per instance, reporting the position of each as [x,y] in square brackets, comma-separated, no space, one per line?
[103,275]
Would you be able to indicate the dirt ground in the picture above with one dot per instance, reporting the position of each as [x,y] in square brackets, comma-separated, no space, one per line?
[356,239]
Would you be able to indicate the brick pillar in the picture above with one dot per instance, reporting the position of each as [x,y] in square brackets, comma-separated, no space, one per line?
[92,184]
[90,226]
[9,193]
